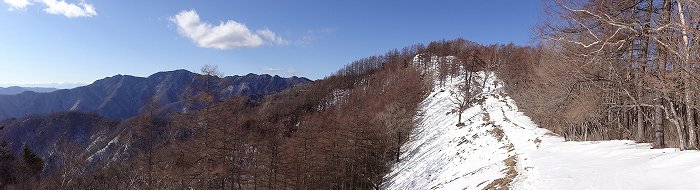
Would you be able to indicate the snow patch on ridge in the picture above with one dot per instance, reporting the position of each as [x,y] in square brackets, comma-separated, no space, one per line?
[501,148]
[441,155]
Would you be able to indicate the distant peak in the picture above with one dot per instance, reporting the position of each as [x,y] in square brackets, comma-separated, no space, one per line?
[178,71]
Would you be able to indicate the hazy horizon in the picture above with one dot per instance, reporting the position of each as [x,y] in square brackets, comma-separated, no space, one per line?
[44,85]
[70,85]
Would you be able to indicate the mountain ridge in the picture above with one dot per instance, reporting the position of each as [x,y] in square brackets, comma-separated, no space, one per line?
[122,96]
[13,90]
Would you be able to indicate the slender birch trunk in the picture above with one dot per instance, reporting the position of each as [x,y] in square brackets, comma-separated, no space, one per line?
[690,121]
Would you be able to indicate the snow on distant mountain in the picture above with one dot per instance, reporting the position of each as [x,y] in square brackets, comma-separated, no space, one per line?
[500,148]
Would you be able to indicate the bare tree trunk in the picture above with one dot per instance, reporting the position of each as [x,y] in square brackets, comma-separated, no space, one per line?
[690,114]
[686,79]
[398,146]
[625,122]
[659,109]
[585,131]
[659,124]
[640,125]
[459,118]
[641,70]
[674,119]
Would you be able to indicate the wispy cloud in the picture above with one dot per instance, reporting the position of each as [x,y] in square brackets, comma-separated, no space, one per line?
[272,70]
[291,71]
[57,7]
[227,35]
[311,36]
[272,37]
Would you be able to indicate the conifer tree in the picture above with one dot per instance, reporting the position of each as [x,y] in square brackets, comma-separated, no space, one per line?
[34,162]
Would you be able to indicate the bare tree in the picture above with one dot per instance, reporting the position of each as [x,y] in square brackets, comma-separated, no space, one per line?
[607,39]
[465,94]
[397,121]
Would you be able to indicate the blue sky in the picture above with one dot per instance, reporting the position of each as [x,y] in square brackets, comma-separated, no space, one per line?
[79,41]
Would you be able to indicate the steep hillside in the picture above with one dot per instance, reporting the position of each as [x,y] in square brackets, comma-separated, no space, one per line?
[60,132]
[441,155]
[122,96]
[500,148]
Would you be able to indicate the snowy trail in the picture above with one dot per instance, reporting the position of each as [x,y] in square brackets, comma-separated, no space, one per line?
[553,163]
[502,148]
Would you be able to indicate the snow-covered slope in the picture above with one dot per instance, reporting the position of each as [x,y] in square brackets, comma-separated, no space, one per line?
[501,148]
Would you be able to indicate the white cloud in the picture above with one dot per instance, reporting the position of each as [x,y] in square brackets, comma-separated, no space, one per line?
[17,4]
[226,35]
[57,7]
[272,37]
[271,70]
[70,10]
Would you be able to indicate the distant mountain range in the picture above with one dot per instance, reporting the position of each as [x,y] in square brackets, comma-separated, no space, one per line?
[122,96]
[12,90]
[87,119]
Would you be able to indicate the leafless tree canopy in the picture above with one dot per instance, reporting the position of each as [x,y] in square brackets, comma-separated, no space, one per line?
[622,69]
